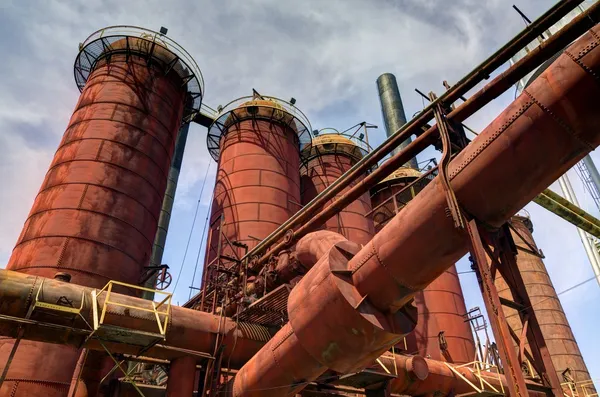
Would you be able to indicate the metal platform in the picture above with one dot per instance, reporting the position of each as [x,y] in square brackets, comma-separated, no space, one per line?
[365,378]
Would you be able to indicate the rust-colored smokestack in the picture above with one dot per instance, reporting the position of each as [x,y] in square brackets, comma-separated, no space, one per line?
[351,306]
[441,332]
[548,310]
[330,156]
[96,214]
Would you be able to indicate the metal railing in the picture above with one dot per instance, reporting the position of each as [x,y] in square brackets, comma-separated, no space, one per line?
[482,372]
[161,323]
[99,44]
[584,388]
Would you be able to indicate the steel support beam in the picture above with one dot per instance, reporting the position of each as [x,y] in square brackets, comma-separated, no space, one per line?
[500,328]
[569,212]
[495,254]
[531,328]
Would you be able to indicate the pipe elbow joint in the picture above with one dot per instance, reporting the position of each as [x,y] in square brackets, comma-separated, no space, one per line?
[334,323]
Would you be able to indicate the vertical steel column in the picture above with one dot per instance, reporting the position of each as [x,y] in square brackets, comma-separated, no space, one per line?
[510,361]
[168,201]
[502,258]
[594,174]
[586,239]
[531,327]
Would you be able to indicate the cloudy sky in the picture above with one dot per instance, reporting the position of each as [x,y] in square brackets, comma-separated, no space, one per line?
[326,54]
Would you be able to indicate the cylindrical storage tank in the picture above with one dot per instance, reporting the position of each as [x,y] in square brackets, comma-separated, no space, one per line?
[95,216]
[553,322]
[331,155]
[256,142]
[441,332]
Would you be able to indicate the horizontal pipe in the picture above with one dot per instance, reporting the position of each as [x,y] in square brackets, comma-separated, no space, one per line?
[189,333]
[568,211]
[418,376]
[352,305]
[492,90]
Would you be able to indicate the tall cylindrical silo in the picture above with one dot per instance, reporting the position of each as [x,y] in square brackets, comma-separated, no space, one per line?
[256,141]
[95,216]
[331,155]
[554,325]
[441,332]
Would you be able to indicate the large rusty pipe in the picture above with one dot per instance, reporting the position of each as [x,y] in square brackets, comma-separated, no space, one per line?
[189,333]
[418,376]
[492,90]
[351,306]
[307,252]
[313,246]
[500,84]
[536,139]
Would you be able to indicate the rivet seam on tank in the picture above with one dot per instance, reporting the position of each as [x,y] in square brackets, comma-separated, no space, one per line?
[560,121]
[588,47]
[578,61]
[279,339]
[364,258]
[373,253]
[63,249]
[491,138]
[30,295]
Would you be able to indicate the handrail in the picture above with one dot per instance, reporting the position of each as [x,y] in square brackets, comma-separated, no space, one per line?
[162,324]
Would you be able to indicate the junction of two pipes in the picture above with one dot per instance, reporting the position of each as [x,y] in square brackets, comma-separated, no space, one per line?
[348,319]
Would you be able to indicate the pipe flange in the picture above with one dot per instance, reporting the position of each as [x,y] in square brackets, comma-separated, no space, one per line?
[417,368]
[288,237]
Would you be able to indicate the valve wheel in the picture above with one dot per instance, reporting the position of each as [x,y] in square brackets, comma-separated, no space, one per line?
[163,281]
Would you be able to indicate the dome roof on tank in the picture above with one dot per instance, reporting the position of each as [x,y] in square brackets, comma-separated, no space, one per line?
[262,102]
[258,107]
[403,173]
[332,138]
[331,141]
